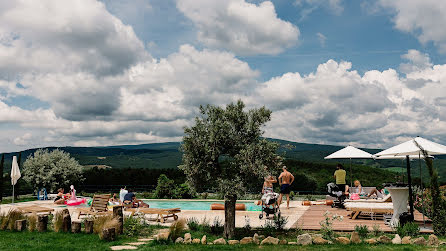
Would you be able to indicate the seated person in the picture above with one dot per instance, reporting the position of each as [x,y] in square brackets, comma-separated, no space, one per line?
[61,197]
[358,189]
[131,201]
[114,200]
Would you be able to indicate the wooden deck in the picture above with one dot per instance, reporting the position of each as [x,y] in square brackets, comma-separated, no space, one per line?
[315,214]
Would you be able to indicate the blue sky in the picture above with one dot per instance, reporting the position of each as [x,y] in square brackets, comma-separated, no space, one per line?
[86,73]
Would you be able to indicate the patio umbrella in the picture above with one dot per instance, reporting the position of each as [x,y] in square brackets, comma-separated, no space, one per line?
[413,147]
[350,152]
[15,174]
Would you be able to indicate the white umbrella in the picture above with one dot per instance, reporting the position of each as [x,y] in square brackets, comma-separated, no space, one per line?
[15,174]
[350,152]
[413,147]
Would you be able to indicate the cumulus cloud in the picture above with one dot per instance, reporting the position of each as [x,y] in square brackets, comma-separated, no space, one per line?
[241,27]
[424,19]
[417,61]
[309,6]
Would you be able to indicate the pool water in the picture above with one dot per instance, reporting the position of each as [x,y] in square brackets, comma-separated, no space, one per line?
[194,205]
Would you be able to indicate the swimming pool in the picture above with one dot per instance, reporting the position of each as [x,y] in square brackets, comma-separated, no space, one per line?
[194,205]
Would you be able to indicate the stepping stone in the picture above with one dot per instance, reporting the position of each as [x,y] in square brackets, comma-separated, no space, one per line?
[145,239]
[122,247]
[136,243]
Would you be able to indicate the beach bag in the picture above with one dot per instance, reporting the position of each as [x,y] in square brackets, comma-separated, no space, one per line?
[354,196]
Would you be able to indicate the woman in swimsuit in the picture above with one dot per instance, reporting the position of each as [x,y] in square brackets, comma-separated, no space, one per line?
[60,197]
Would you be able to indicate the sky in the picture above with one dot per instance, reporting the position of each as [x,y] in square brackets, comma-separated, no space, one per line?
[371,73]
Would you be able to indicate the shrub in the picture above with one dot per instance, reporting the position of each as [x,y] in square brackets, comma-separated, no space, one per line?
[133,225]
[57,221]
[183,191]
[9,219]
[409,229]
[310,197]
[247,226]
[104,222]
[204,195]
[269,228]
[376,230]
[362,230]
[193,224]
[176,229]
[327,225]
[165,188]
[205,226]
[292,195]
[279,222]
[32,222]
[217,226]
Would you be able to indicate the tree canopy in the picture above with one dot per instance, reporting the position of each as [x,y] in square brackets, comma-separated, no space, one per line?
[225,149]
[52,169]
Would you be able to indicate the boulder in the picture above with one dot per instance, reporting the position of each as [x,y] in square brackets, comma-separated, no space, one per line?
[343,240]
[442,243]
[384,239]
[270,241]
[433,240]
[419,241]
[233,242]
[187,238]
[371,241]
[292,243]
[406,240]
[220,241]
[317,235]
[256,239]
[319,240]
[179,240]
[262,236]
[246,240]
[204,240]
[396,239]
[162,236]
[283,242]
[196,241]
[304,239]
[354,238]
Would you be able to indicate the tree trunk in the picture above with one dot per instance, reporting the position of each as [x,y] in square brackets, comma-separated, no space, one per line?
[438,220]
[76,227]
[20,225]
[117,213]
[89,226]
[108,234]
[230,216]
[66,221]
[2,161]
[42,223]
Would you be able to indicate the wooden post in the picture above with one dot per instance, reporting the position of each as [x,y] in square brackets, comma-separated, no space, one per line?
[42,223]
[66,221]
[88,226]
[118,214]
[75,227]
[108,234]
[20,225]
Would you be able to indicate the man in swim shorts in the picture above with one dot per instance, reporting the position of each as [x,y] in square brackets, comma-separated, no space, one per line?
[285,181]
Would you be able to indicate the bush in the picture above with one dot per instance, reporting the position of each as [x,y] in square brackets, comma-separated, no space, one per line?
[183,191]
[133,226]
[165,188]
[268,228]
[176,229]
[217,227]
[205,226]
[280,222]
[193,224]
[327,225]
[409,229]
[376,230]
[362,230]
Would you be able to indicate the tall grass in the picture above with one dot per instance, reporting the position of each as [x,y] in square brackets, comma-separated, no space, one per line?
[104,222]
[176,229]
[58,221]
[9,219]
[32,222]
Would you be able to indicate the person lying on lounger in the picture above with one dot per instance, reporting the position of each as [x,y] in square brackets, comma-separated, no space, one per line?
[131,201]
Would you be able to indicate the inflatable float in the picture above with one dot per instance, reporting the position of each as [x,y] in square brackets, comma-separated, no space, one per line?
[73,201]
[238,207]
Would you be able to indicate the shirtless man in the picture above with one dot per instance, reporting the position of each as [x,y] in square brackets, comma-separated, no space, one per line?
[285,181]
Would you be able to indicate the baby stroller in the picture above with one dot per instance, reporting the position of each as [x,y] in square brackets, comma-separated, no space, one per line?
[269,205]
[334,191]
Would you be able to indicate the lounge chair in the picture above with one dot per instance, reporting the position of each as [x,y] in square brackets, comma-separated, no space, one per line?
[371,209]
[98,206]
[162,214]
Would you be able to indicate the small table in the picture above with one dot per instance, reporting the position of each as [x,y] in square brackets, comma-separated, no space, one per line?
[400,197]
[35,209]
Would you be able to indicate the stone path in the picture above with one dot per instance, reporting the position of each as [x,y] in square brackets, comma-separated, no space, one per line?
[136,244]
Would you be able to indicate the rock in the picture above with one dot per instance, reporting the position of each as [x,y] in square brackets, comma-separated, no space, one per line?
[256,239]
[187,238]
[196,241]
[233,242]
[123,247]
[396,239]
[147,239]
[354,238]
[270,241]
[406,240]
[162,236]
[343,240]
[442,243]
[419,241]
[246,240]
[220,241]
[304,239]
[204,240]
[262,236]
[292,243]
[179,240]
[371,241]
[139,243]
[384,239]
[317,235]
[319,240]
[433,240]
[283,242]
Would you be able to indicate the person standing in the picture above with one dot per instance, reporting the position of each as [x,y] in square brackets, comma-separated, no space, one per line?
[339,175]
[285,181]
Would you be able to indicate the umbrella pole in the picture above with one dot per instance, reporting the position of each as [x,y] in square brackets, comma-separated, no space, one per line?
[12,194]
[421,186]
[351,173]
[409,182]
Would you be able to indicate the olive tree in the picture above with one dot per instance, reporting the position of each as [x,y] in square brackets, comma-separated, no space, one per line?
[51,169]
[225,149]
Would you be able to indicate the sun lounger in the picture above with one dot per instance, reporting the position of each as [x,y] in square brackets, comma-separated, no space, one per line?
[98,206]
[372,209]
[162,214]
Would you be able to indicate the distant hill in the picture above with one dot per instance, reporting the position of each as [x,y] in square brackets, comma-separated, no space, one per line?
[167,155]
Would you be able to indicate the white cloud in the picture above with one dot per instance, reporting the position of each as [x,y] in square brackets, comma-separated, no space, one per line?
[321,39]
[241,27]
[425,19]
[417,61]
[309,6]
